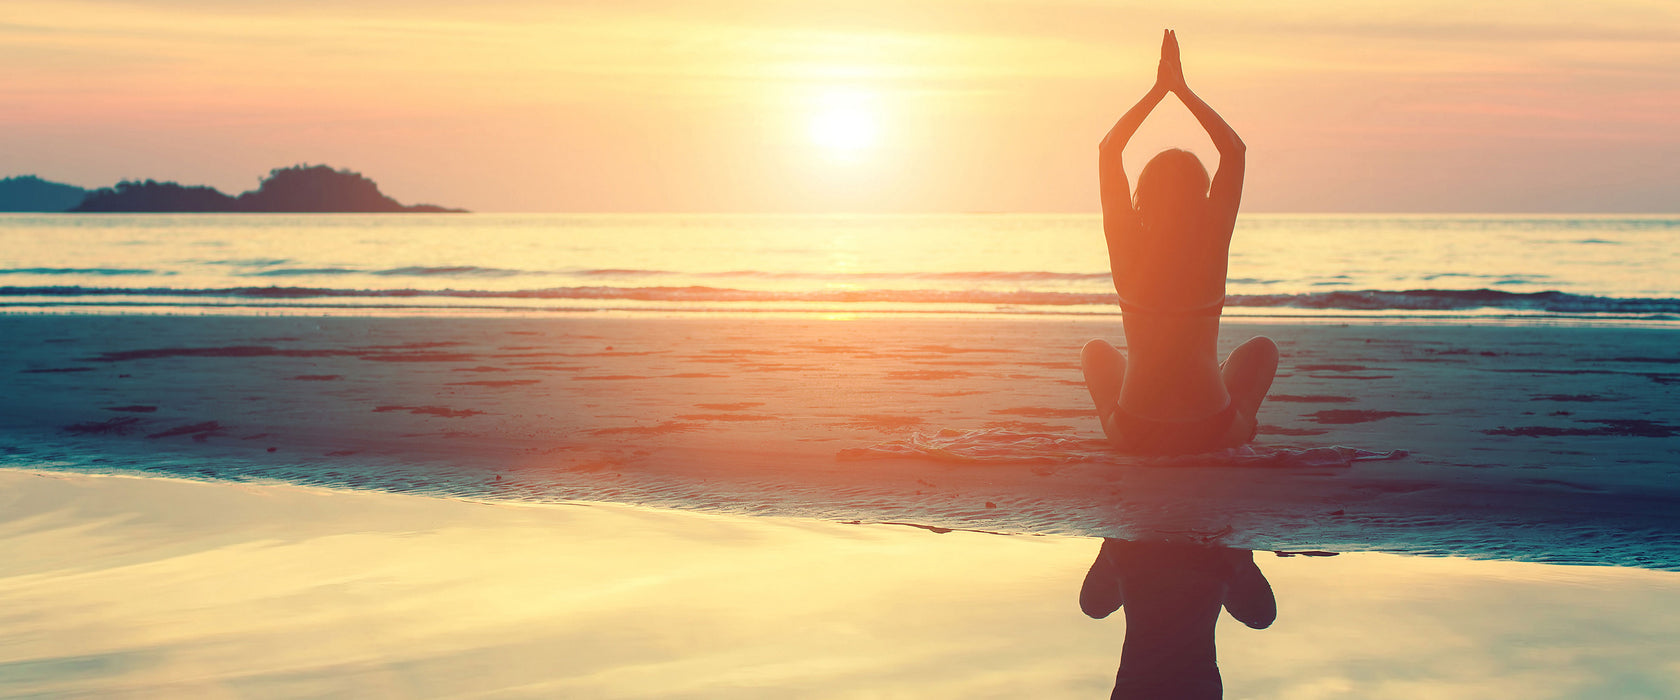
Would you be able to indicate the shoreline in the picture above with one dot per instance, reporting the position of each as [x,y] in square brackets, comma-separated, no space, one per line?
[1527,442]
[259,310]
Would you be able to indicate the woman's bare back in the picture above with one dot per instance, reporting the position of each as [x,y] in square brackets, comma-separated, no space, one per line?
[1168,253]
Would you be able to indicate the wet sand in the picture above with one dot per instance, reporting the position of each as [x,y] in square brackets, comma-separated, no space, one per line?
[1546,443]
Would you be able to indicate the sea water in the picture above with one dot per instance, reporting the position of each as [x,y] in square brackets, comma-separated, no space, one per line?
[1614,267]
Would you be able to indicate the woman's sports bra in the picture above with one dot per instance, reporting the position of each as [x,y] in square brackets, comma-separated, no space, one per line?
[1214,309]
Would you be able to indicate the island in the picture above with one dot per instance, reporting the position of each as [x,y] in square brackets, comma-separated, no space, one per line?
[31,193]
[297,189]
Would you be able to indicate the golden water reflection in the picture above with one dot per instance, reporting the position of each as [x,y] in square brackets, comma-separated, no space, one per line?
[162,588]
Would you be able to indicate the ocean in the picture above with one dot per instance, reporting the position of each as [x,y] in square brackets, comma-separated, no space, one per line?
[1619,268]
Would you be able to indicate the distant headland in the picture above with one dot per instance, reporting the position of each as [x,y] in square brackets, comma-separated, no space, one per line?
[30,193]
[298,189]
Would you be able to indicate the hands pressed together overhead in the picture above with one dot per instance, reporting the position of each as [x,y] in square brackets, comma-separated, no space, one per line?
[1169,76]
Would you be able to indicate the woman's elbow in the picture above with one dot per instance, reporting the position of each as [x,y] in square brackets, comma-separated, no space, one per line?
[1096,608]
[1261,619]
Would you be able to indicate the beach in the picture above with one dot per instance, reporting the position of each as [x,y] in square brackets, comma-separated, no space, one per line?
[744,456]
[1551,443]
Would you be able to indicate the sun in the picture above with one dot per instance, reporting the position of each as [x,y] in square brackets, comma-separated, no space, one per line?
[845,123]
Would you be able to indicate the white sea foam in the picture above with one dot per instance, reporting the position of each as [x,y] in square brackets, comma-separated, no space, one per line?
[1478,266]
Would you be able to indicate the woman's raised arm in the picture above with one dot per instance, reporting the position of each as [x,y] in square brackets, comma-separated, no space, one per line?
[1111,173]
[1226,193]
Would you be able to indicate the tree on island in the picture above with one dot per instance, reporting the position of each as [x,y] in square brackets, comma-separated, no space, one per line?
[154,196]
[319,188]
[31,193]
[300,188]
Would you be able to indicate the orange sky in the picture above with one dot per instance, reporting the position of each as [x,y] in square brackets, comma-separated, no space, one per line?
[977,105]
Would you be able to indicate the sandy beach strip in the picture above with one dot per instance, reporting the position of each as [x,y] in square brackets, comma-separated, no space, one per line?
[1549,443]
[115,586]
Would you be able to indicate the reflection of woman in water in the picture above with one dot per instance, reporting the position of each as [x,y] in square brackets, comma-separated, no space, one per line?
[1172,594]
[1167,249]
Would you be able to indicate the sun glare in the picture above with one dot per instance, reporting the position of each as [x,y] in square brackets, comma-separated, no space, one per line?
[845,123]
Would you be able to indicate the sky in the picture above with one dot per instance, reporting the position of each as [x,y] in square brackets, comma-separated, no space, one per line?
[851,105]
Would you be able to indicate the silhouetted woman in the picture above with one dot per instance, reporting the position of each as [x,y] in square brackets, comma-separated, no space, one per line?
[1172,594]
[1167,249]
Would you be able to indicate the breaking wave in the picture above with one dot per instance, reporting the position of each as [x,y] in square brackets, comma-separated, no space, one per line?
[1551,302]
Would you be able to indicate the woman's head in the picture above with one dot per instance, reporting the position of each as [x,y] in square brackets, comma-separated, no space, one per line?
[1172,187]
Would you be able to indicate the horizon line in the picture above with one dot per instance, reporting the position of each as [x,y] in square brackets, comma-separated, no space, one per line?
[721,212]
